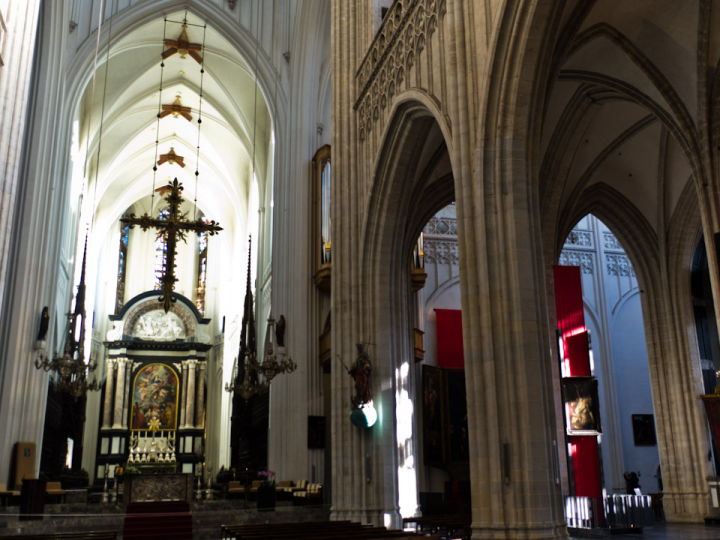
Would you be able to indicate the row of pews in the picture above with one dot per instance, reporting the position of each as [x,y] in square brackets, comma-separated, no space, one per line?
[318,530]
[100,535]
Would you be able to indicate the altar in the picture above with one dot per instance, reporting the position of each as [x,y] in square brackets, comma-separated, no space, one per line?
[158,488]
[153,415]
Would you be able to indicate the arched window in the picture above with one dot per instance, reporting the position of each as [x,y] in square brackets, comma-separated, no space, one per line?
[202,268]
[160,251]
[122,265]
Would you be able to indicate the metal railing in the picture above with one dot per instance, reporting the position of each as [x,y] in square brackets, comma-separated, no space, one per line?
[610,512]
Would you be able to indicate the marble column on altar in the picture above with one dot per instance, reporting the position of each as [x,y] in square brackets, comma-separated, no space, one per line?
[119,393]
[190,406]
[200,399]
[184,393]
[109,387]
[128,397]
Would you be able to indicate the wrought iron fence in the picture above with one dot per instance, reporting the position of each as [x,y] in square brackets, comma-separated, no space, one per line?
[610,512]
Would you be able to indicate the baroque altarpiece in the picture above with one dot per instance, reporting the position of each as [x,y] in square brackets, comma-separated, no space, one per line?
[153,413]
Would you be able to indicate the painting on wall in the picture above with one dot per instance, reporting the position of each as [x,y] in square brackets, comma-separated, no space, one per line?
[644,430]
[459,450]
[155,398]
[433,440]
[582,413]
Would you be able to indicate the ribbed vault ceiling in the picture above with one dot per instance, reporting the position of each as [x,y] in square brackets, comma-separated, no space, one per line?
[624,108]
[129,129]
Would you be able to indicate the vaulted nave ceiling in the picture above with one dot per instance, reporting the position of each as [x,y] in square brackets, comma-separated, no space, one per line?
[130,122]
[625,109]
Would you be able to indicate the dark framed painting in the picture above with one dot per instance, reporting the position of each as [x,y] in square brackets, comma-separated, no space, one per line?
[316,432]
[457,419]
[582,411]
[644,430]
[155,398]
[433,399]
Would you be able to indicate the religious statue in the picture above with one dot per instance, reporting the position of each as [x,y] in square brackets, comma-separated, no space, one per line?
[280,331]
[361,371]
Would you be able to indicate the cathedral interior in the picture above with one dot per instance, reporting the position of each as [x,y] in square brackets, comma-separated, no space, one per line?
[359,269]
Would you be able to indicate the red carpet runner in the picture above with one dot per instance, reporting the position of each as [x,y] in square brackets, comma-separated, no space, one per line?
[158,521]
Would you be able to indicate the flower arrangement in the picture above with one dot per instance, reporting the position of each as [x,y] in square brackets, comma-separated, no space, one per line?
[268,479]
[131,471]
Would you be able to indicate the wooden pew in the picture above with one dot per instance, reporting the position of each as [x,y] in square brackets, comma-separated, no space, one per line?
[93,535]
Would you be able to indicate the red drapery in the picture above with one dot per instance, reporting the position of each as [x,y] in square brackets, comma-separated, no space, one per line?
[571,322]
[450,339]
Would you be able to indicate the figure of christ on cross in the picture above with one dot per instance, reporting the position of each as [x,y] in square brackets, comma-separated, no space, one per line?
[172,229]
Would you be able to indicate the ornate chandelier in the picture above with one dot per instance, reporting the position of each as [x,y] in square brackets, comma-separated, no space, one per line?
[70,368]
[254,377]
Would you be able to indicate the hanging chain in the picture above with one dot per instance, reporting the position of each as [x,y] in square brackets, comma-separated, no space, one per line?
[102,120]
[197,161]
[92,93]
[257,41]
[157,126]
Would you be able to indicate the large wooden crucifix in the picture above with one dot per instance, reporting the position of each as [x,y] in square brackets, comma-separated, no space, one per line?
[172,229]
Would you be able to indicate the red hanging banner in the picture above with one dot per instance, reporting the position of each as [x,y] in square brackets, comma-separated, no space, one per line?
[575,356]
[450,339]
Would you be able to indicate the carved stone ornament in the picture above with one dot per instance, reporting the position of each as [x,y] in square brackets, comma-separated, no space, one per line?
[619,265]
[401,38]
[579,238]
[576,258]
[231,3]
[159,326]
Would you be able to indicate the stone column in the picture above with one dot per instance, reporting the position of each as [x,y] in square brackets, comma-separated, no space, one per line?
[126,404]
[200,399]
[109,388]
[184,393]
[119,393]
[190,406]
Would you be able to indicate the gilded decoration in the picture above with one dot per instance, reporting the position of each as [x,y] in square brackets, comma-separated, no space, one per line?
[155,399]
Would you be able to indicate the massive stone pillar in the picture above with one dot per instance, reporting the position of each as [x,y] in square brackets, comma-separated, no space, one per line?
[190,405]
[32,188]
[108,406]
[119,393]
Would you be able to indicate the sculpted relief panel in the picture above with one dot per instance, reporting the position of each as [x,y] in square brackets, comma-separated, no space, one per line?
[159,326]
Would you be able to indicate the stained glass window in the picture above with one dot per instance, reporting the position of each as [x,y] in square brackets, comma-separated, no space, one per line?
[122,265]
[202,268]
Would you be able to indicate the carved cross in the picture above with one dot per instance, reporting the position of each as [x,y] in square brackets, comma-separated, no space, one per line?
[172,229]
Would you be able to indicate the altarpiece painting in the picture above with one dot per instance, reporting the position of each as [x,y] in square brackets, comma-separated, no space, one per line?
[155,398]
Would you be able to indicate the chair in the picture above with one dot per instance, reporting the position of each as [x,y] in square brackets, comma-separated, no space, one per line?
[313,494]
[255,486]
[280,492]
[6,494]
[235,487]
[55,489]
[300,486]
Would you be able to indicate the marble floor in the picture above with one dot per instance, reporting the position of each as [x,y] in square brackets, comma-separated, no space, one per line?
[662,531]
